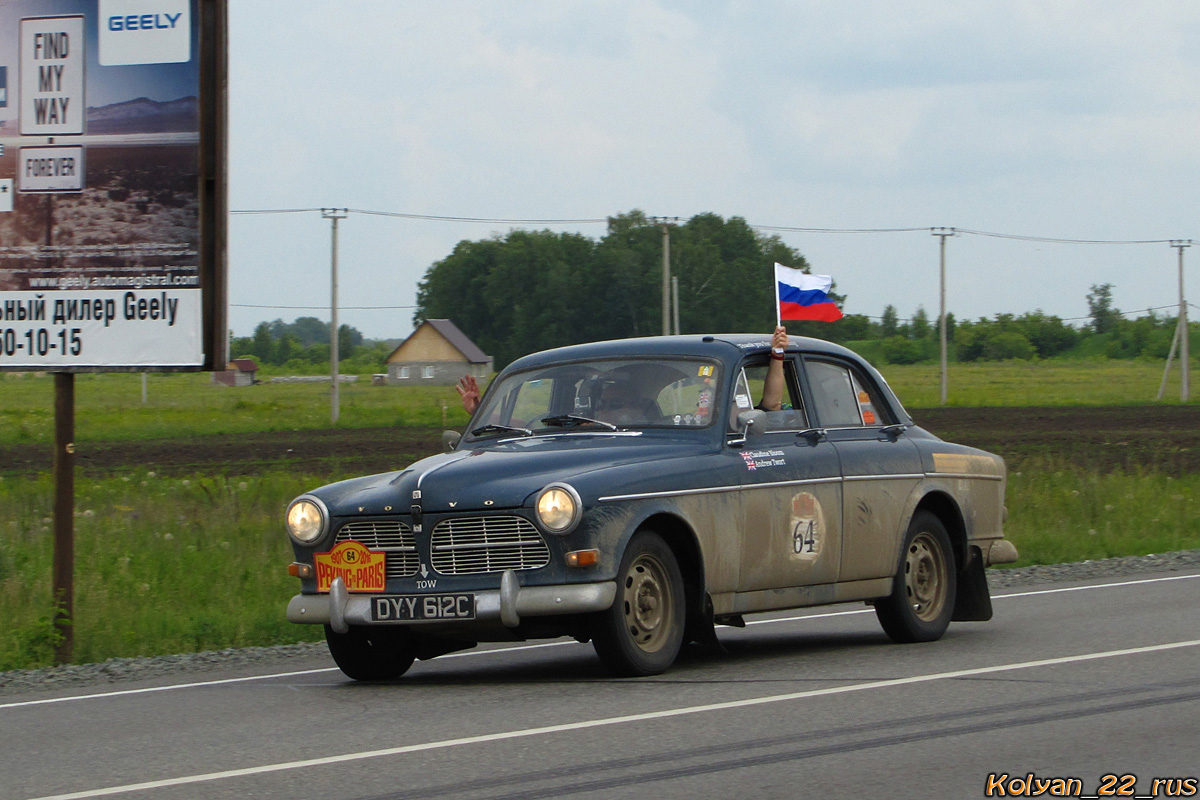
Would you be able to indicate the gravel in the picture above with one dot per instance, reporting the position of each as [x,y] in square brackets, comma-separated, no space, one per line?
[121,670]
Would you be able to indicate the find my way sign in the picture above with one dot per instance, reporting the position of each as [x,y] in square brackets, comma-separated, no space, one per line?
[52,79]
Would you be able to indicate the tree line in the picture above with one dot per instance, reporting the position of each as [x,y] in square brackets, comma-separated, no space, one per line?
[303,346]
[1106,334]
[531,290]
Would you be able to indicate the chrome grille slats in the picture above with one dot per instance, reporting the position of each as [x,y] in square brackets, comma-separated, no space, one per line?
[475,545]
[390,536]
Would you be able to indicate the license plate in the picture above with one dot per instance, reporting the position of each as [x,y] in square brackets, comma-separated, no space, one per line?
[418,607]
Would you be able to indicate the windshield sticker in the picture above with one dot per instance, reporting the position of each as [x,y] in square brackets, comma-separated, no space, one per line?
[758,459]
[705,372]
[742,400]
[868,417]
[807,527]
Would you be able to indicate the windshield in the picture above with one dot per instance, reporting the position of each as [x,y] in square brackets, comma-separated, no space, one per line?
[599,395]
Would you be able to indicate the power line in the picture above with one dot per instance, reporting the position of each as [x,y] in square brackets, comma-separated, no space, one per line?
[431,217]
[322,308]
[1055,240]
[657,219]
[792,229]
[1060,319]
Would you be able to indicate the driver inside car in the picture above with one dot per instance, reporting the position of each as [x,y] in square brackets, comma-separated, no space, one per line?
[620,403]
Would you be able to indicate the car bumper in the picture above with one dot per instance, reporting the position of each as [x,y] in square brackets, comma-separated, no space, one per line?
[1000,551]
[339,609]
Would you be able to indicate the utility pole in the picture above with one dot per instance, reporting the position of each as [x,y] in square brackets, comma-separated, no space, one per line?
[1181,334]
[666,279]
[943,233]
[333,215]
[675,303]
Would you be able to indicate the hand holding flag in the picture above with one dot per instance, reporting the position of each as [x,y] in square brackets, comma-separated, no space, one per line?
[800,296]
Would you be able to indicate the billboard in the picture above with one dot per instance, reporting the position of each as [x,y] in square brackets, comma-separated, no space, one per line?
[112,185]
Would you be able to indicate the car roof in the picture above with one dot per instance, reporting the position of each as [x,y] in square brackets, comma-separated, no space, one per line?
[722,346]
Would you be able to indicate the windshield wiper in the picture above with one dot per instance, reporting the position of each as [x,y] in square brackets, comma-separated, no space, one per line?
[500,429]
[571,420]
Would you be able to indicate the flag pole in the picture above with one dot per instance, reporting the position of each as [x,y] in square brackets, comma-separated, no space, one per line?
[778,314]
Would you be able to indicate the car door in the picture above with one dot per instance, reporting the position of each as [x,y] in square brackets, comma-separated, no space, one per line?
[791,491]
[880,466]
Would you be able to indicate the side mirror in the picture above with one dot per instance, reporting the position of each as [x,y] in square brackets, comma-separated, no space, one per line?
[748,423]
[450,440]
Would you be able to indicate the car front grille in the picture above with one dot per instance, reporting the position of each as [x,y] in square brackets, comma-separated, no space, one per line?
[474,545]
[393,538]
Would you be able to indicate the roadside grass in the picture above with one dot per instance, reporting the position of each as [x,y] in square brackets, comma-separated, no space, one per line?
[1099,382]
[170,565]
[162,565]
[1059,512]
[108,407]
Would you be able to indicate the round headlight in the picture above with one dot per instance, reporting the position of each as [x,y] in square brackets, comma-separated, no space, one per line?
[559,508]
[306,519]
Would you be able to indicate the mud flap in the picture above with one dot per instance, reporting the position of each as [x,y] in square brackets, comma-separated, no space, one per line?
[701,628]
[972,602]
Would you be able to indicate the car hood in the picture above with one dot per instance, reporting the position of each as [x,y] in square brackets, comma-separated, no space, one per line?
[505,475]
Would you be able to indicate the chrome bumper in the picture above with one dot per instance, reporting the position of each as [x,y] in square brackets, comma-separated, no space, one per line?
[339,609]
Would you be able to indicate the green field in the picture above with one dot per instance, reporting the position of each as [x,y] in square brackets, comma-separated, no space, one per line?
[181,563]
[109,407]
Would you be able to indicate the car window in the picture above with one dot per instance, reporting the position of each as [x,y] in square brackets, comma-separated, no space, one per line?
[841,397]
[790,416]
[627,393]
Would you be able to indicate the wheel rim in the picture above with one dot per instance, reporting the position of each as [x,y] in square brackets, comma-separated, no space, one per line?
[925,577]
[649,605]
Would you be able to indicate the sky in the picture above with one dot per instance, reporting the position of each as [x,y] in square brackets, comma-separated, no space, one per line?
[1063,120]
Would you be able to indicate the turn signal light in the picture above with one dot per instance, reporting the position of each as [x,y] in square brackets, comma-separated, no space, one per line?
[298,570]
[583,558]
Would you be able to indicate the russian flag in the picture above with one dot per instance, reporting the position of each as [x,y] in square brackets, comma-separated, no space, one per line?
[802,296]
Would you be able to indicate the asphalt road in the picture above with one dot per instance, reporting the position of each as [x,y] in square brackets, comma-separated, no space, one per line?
[1075,681]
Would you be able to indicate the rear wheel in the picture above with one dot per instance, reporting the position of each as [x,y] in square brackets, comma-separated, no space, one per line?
[371,654]
[922,599]
[642,633]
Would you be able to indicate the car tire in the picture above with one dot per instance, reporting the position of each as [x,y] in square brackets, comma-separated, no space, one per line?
[922,599]
[371,654]
[643,630]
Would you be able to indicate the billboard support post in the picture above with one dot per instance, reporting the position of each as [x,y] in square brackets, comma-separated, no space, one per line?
[64,516]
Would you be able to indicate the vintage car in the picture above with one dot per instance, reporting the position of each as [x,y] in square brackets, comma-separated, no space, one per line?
[634,493]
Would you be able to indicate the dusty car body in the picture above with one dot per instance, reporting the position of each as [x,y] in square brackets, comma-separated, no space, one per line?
[630,493]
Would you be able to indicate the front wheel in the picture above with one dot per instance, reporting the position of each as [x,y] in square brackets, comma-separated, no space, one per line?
[922,599]
[371,654]
[643,630]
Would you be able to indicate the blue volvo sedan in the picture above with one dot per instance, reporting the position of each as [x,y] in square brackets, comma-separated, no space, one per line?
[636,494]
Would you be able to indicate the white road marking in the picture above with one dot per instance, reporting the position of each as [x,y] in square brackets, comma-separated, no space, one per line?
[599,723]
[474,653]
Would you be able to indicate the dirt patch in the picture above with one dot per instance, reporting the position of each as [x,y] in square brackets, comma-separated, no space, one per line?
[321,452]
[1163,438]
[1106,438]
